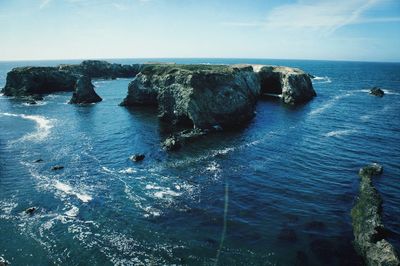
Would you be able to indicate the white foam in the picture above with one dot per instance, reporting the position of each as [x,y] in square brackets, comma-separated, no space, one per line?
[128,170]
[40,103]
[108,170]
[167,192]
[67,189]
[337,133]
[73,212]
[391,92]
[329,104]
[43,127]
[325,79]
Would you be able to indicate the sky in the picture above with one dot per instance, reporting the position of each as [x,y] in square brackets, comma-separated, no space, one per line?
[357,30]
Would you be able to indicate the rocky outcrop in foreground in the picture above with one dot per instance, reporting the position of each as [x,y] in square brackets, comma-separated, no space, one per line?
[27,82]
[369,231]
[84,92]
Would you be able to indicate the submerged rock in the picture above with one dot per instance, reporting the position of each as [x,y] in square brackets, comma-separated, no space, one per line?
[377,92]
[57,167]
[368,229]
[175,141]
[137,157]
[30,210]
[84,92]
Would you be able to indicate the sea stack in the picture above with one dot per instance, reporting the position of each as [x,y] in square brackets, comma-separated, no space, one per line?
[368,229]
[84,92]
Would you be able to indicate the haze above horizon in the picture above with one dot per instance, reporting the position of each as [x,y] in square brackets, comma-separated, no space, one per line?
[355,30]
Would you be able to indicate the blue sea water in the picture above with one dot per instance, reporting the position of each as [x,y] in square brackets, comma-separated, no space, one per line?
[278,192]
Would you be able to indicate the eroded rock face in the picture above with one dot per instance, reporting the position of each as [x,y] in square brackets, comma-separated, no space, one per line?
[84,92]
[202,96]
[369,231]
[293,84]
[28,81]
[102,69]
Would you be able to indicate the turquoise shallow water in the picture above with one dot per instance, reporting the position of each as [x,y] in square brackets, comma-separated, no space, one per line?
[277,192]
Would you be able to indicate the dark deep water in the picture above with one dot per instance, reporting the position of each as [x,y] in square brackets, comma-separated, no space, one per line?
[287,181]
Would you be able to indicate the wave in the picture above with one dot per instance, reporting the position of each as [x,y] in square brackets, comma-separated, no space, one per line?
[128,170]
[386,91]
[325,79]
[67,189]
[40,103]
[329,104]
[43,127]
[337,133]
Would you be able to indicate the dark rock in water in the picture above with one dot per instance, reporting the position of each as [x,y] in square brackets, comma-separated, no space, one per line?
[301,258]
[57,167]
[368,229]
[315,226]
[31,102]
[38,161]
[323,250]
[172,143]
[30,210]
[287,235]
[84,92]
[137,157]
[371,170]
[175,141]
[377,92]
[4,262]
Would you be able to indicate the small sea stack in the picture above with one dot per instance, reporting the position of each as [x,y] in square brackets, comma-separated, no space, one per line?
[369,231]
[377,92]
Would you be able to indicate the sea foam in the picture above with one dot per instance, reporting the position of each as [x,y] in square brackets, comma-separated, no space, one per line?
[67,189]
[43,126]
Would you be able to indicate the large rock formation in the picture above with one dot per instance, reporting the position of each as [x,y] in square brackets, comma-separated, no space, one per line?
[292,84]
[102,69]
[201,96]
[369,231]
[29,81]
[84,92]
[214,95]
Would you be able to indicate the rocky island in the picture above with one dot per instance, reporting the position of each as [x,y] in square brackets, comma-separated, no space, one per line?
[200,98]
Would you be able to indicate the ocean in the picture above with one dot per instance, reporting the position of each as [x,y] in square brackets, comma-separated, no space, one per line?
[277,192]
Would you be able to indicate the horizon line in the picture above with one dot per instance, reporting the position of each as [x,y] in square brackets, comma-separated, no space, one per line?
[215,58]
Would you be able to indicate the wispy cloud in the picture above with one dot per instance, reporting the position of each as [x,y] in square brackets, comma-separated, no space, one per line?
[324,16]
[44,3]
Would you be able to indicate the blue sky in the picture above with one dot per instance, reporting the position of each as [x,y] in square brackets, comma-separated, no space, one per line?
[365,30]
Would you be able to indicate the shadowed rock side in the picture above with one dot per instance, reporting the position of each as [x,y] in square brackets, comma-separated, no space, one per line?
[293,84]
[84,92]
[200,96]
[23,82]
[28,81]
[369,231]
